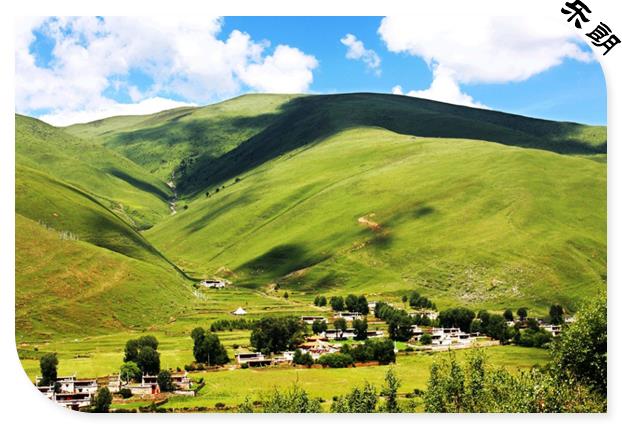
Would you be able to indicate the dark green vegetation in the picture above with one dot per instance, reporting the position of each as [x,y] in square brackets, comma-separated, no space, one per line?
[207,348]
[313,195]
[143,352]
[48,365]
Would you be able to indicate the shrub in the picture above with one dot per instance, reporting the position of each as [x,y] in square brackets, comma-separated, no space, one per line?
[425,339]
[125,392]
[336,360]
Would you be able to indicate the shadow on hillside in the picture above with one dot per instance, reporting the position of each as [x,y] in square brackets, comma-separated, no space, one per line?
[139,184]
[308,120]
[282,260]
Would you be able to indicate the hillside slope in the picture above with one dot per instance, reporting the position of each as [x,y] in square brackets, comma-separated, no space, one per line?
[209,145]
[370,210]
[119,184]
[81,268]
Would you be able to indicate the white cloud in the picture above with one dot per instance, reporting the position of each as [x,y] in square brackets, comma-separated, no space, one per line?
[288,70]
[146,106]
[480,49]
[443,88]
[357,50]
[183,57]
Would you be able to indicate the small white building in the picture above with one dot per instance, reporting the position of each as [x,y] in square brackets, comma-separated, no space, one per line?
[213,283]
[239,311]
[555,330]
[432,315]
[349,316]
[309,319]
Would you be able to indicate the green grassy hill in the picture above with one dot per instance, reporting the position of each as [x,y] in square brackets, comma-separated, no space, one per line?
[119,184]
[369,210]
[371,193]
[80,268]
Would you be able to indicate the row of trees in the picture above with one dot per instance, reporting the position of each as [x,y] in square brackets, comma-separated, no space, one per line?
[351,303]
[232,324]
[556,314]
[417,301]
[398,320]
[277,334]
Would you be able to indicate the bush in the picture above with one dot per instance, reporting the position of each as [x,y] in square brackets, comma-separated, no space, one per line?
[336,360]
[302,359]
[165,382]
[294,400]
[125,392]
[244,365]
[425,339]
[101,402]
[475,387]
[581,351]
[220,406]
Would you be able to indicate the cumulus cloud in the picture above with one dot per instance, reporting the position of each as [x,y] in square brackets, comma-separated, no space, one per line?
[443,88]
[480,49]
[181,57]
[357,51]
[288,70]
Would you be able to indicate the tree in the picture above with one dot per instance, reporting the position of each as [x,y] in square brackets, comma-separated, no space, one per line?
[361,305]
[400,327]
[484,317]
[456,317]
[165,381]
[352,303]
[389,391]
[148,360]
[319,301]
[319,326]
[277,334]
[556,312]
[425,339]
[508,315]
[581,351]
[207,348]
[130,371]
[340,324]
[360,329]
[497,328]
[48,364]
[476,387]
[404,299]
[359,400]
[148,340]
[476,326]
[302,358]
[522,313]
[337,303]
[286,295]
[102,400]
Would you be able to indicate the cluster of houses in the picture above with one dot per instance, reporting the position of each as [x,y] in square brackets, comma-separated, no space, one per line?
[76,394]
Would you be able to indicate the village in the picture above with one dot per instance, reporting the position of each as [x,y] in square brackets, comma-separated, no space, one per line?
[379,330]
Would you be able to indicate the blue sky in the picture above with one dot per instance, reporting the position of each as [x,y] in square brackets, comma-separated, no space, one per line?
[76,69]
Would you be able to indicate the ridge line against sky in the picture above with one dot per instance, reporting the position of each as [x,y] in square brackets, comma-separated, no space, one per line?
[79,69]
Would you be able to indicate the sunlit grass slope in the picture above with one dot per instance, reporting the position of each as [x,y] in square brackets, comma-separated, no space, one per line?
[161,141]
[82,269]
[116,182]
[205,146]
[369,210]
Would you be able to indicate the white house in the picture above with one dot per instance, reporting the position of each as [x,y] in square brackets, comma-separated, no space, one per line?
[309,319]
[349,316]
[555,330]
[213,283]
[239,311]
